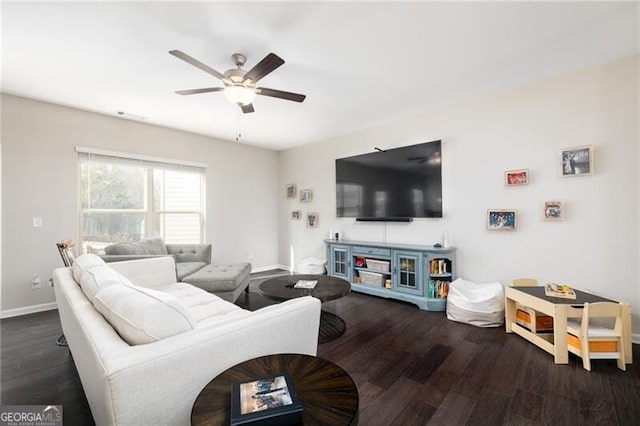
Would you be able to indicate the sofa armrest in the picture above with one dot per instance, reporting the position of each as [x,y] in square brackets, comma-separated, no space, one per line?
[178,368]
[190,252]
[152,272]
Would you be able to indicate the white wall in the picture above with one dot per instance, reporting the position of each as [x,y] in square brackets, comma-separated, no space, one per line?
[39,178]
[594,248]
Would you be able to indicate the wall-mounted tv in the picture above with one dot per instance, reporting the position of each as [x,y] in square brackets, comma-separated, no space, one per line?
[394,184]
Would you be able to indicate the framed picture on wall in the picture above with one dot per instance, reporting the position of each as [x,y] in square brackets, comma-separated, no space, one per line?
[516,177]
[577,161]
[312,220]
[501,220]
[306,195]
[296,214]
[553,211]
[291,190]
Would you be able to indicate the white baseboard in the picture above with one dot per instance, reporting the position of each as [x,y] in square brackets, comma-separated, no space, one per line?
[286,267]
[635,338]
[9,313]
[271,268]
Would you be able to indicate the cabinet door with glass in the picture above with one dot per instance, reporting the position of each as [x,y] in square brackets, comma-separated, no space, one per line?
[340,261]
[407,272]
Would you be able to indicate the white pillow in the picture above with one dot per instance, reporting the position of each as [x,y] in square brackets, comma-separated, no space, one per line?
[141,315]
[95,279]
[84,262]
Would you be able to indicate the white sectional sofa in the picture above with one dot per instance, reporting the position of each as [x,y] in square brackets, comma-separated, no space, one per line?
[145,345]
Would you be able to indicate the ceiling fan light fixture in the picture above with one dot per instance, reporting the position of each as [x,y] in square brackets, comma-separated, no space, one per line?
[239,94]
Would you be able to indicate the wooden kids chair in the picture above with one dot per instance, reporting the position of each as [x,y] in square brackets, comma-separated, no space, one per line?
[596,341]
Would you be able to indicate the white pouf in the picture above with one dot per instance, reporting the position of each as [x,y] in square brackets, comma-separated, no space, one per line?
[479,304]
[310,266]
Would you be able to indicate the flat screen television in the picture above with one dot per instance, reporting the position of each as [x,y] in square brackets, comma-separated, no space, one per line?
[394,184]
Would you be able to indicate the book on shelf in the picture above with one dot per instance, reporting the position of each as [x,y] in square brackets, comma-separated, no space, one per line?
[559,290]
[438,289]
[438,267]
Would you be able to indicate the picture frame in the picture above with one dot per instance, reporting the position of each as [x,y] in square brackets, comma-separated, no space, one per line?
[501,220]
[265,400]
[516,177]
[306,195]
[296,214]
[553,211]
[312,220]
[292,190]
[576,161]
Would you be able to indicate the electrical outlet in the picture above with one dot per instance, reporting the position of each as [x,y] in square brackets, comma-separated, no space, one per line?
[250,256]
[37,222]
[36,283]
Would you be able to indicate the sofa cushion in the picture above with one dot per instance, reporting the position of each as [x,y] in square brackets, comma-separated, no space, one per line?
[147,246]
[84,262]
[202,306]
[184,269]
[220,277]
[190,252]
[95,279]
[141,315]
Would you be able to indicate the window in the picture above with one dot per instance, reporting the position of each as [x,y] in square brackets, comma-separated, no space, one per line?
[127,199]
[349,199]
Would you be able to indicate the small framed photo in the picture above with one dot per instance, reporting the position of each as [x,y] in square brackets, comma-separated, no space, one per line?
[501,220]
[577,161]
[553,210]
[516,177]
[292,190]
[296,214]
[312,220]
[306,195]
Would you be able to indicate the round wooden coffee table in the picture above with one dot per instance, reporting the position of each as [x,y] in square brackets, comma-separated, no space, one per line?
[327,288]
[327,393]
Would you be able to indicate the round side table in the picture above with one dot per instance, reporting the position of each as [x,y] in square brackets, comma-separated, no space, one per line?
[327,288]
[327,393]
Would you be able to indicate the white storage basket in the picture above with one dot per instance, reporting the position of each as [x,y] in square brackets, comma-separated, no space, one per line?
[378,265]
[371,278]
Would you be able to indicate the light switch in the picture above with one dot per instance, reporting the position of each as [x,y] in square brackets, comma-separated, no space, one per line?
[37,222]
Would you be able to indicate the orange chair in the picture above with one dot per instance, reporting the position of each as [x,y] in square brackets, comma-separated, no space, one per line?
[527,317]
[591,340]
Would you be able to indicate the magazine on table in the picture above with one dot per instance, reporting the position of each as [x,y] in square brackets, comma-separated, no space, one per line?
[559,290]
[306,284]
[265,401]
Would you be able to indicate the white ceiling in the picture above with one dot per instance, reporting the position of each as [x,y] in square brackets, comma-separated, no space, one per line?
[360,64]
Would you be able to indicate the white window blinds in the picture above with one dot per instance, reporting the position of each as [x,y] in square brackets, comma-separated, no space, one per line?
[126,198]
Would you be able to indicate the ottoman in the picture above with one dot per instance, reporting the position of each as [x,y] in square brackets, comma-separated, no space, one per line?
[224,280]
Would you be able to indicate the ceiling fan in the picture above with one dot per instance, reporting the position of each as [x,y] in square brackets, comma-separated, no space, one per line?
[240,85]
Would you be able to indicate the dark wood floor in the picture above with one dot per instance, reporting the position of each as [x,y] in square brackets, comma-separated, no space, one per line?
[411,368]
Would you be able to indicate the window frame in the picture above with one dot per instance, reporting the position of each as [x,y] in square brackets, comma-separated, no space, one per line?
[149,165]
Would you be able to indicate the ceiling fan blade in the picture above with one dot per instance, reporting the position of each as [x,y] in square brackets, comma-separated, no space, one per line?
[289,96]
[264,67]
[196,91]
[196,63]
[247,108]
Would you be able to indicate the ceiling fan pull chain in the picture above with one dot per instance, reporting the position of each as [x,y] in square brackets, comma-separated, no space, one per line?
[238,131]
